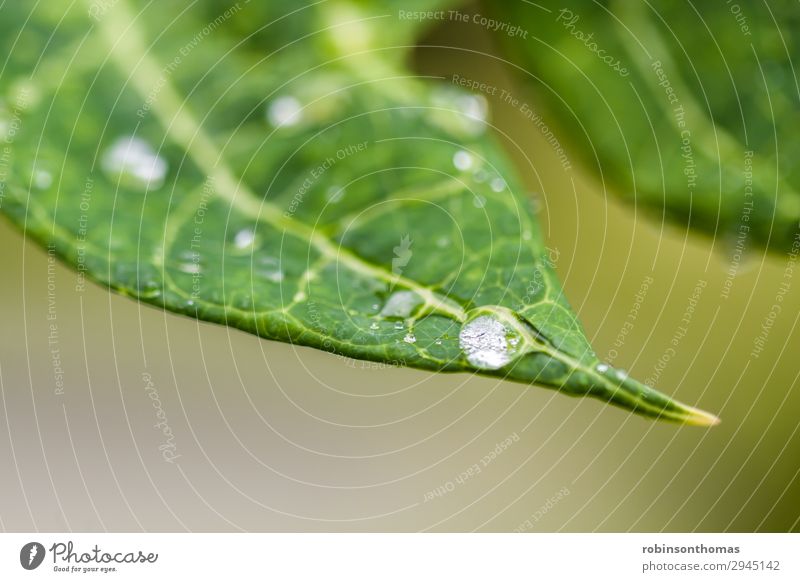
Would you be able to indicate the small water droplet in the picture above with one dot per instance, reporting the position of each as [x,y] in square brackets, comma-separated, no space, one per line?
[270,269]
[134,162]
[401,304]
[190,268]
[497,184]
[374,325]
[463,160]
[334,194]
[244,238]
[602,368]
[285,111]
[42,179]
[410,338]
[485,341]
[438,342]
[474,106]
[399,325]
[479,201]
[621,374]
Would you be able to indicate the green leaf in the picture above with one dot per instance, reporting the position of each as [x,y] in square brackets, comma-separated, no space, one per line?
[277,170]
[687,109]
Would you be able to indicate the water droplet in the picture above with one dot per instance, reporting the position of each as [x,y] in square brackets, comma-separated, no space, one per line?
[270,269]
[621,375]
[285,111]
[485,341]
[134,162]
[401,304]
[190,268]
[479,201]
[410,338]
[602,368]
[497,184]
[42,179]
[334,194]
[463,160]
[244,238]
[474,106]
[438,342]
[399,325]
[374,325]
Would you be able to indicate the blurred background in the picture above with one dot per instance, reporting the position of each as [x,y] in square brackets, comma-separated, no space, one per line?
[270,437]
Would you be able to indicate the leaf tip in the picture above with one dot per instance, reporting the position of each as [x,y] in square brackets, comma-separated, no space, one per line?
[697,417]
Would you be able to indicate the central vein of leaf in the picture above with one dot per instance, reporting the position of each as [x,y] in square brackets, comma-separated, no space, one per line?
[130,53]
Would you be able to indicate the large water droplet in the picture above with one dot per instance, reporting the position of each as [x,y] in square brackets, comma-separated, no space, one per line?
[244,238]
[474,107]
[285,111]
[463,160]
[410,338]
[485,341]
[401,304]
[134,162]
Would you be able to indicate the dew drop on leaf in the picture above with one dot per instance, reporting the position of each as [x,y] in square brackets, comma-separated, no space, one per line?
[42,179]
[463,160]
[410,338]
[485,342]
[284,111]
[244,238]
[401,304]
[134,162]
[498,184]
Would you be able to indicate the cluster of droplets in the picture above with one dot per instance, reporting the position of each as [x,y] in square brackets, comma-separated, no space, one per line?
[134,162]
[466,162]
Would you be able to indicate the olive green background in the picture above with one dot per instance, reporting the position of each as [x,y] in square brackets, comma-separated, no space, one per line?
[274,437]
